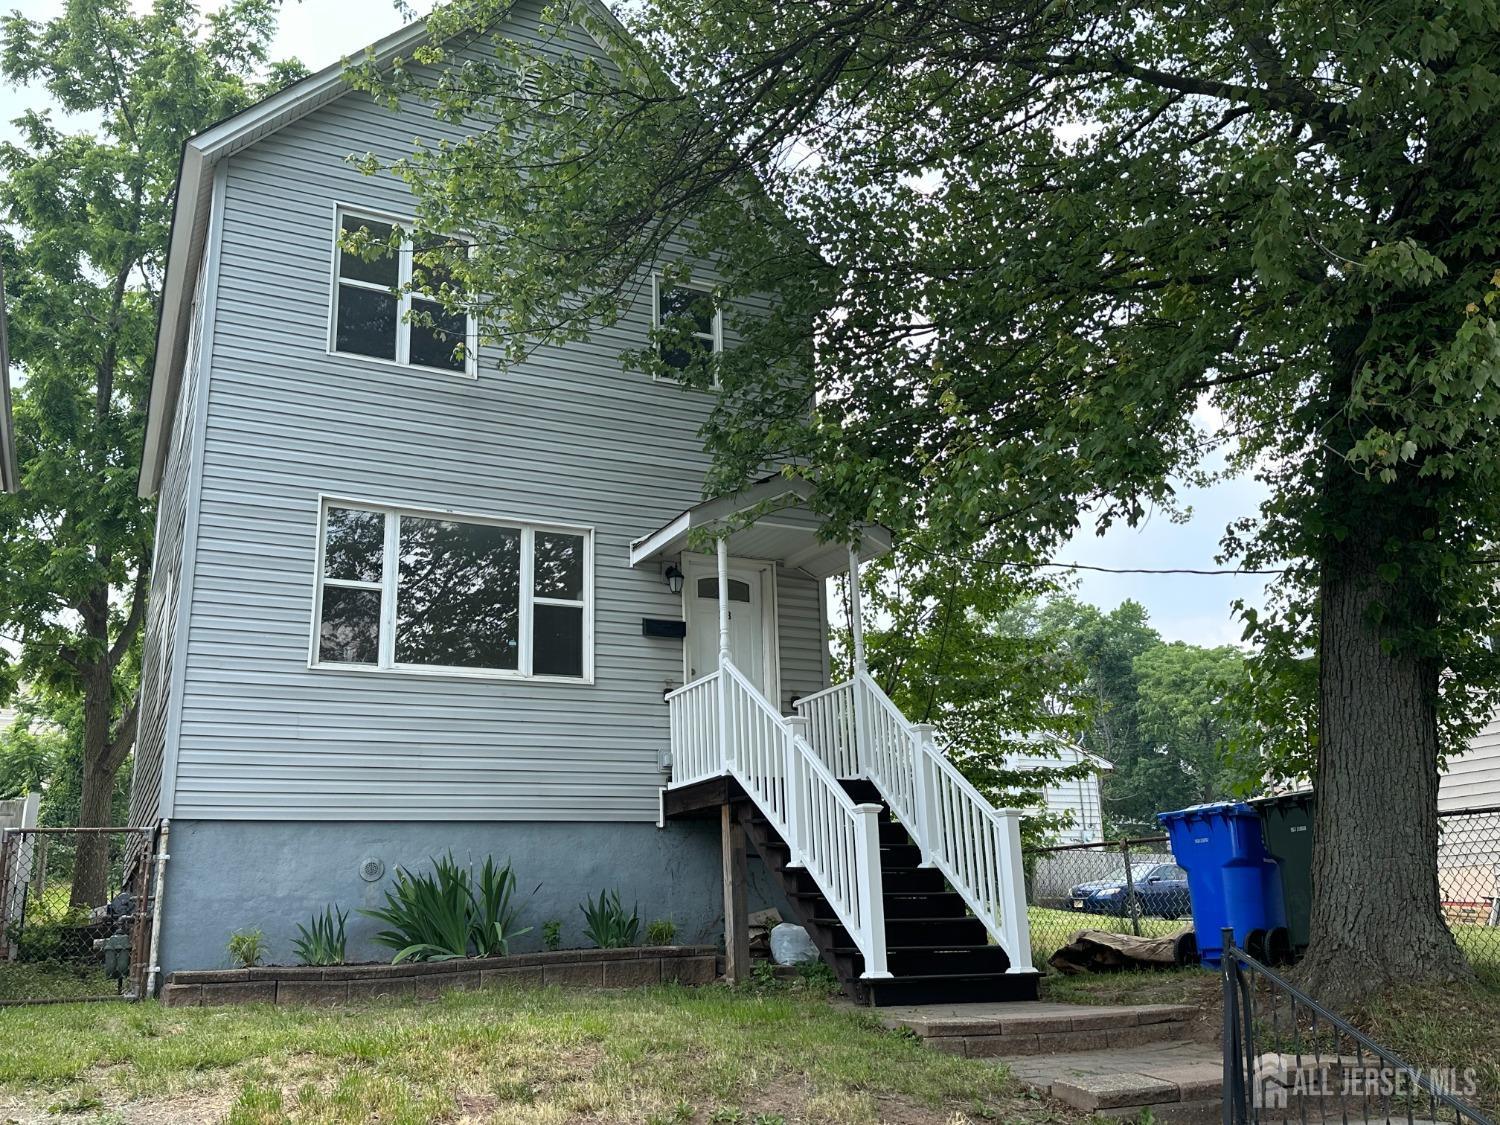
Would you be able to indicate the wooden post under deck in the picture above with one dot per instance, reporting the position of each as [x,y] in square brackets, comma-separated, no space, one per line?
[736,920]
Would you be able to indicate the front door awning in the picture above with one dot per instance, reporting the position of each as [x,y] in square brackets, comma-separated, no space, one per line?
[770,520]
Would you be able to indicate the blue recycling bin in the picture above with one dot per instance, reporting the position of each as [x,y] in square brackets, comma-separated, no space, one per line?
[1234,881]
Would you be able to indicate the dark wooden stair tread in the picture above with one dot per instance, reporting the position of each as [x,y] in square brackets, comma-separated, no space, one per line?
[937,950]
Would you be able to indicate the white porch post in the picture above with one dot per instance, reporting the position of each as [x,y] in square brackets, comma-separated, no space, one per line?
[795,768]
[857,632]
[925,796]
[726,747]
[856,614]
[1015,926]
[723,560]
[871,892]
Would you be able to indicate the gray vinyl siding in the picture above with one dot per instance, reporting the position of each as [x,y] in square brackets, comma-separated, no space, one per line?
[568,437]
[162,607]
[1472,780]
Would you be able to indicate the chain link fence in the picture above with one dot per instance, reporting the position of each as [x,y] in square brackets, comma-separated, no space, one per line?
[1469,883]
[75,916]
[1135,887]
[1124,887]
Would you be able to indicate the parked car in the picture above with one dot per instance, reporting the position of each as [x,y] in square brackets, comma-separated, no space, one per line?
[1161,889]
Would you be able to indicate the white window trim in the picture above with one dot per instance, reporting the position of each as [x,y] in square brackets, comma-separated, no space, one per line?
[404,262]
[388,587]
[716,337]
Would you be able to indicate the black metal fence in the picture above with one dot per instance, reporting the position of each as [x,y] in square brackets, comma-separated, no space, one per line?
[1289,1059]
[1124,887]
[75,918]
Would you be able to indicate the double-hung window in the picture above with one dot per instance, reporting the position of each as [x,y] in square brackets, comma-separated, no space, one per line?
[427,591]
[693,308]
[375,311]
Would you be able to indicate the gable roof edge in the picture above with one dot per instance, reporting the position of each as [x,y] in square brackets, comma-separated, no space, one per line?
[190,222]
[190,214]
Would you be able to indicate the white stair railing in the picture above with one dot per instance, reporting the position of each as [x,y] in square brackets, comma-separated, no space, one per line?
[694,711]
[830,727]
[722,725]
[976,846]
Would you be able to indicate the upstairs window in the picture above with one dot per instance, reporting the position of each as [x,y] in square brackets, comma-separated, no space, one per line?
[408,590]
[374,315]
[693,309]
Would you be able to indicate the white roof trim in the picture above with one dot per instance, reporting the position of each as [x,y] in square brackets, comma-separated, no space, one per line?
[672,537]
[189,226]
[10,479]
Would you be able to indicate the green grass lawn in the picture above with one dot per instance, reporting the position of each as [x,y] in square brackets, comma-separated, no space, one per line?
[660,1055]
[51,981]
[1051,929]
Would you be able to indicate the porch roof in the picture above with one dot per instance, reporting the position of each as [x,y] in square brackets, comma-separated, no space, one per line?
[785,530]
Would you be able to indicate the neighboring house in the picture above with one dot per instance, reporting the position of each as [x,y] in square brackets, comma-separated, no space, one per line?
[1472,780]
[1078,800]
[1469,847]
[9,478]
[405,604]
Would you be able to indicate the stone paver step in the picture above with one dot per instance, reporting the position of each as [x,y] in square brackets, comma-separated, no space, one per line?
[1038,1027]
[1180,1081]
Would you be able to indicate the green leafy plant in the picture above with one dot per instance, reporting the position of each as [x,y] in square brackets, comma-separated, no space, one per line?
[608,926]
[322,943]
[430,915]
[247,948]
[552,934]
[493,924]
[440,915]
[663,931]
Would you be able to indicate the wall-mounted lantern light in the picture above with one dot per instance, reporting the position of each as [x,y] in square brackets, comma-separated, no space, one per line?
[673,578]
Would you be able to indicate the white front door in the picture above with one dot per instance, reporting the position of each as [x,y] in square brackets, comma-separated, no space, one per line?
[749,646]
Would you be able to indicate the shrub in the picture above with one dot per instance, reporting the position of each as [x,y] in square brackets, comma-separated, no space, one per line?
[439,916]
[323,942]
[663,931]
[247,948]
[552,934]
[608,926]
[494,920]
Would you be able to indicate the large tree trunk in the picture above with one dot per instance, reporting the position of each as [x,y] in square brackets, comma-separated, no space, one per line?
[91,866]
[1376,919]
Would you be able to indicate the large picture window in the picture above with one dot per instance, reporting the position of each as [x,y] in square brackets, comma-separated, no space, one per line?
[414,590]
[373,313]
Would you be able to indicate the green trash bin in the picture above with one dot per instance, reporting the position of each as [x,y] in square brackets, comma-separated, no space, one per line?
[1287,825]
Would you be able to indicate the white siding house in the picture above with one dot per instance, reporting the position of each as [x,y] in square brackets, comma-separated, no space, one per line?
[305,710]
[1472,780]
[1079,800]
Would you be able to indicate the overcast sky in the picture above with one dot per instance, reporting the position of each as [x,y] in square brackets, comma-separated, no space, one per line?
[1182,607]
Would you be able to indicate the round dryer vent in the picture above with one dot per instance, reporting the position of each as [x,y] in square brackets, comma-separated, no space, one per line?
[371,869]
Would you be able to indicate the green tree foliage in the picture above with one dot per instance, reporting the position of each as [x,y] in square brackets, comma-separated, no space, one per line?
[1172,719]
[88,203]
[955,642]
[1187,724]
[1028,266]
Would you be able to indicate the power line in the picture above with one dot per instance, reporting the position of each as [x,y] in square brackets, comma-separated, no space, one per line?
[1140,569]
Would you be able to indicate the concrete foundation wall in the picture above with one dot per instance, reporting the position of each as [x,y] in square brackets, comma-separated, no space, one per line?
[235,875]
